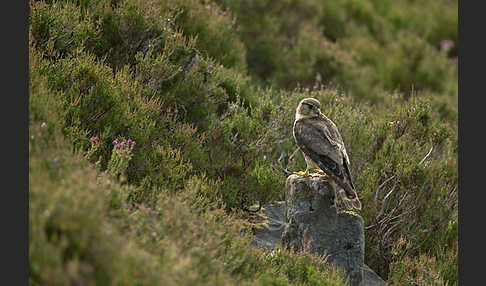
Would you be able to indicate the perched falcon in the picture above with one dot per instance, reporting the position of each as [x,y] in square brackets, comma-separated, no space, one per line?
[323,149]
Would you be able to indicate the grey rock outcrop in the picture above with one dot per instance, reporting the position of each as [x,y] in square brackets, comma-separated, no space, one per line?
[370,278]
[272,233]
[311,215]
[309,218]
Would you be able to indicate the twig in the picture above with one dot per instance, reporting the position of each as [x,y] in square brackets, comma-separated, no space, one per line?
[430,151]
[293,154]
[402,199]
[286,171]
[282,156]
[381,186]
[391,229]
[385,199]
[389,219]
[283,153]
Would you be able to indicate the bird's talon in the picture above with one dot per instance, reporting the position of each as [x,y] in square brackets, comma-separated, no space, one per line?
[303,174]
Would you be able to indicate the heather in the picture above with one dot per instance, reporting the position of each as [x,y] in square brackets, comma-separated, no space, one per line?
[155,125]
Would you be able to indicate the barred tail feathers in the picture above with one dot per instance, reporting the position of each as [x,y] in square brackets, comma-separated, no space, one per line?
[349,203]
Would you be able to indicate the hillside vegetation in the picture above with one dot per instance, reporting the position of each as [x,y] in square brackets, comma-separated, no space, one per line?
[154,125]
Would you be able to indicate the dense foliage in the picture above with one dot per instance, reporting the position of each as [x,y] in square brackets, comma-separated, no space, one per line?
[155,124]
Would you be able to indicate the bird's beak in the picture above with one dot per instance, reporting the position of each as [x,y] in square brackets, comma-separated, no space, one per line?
[320,113]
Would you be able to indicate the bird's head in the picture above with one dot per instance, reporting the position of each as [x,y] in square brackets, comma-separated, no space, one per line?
[308,108]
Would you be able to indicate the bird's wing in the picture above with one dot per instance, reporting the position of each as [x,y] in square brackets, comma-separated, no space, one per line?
[315,138]
[334,136]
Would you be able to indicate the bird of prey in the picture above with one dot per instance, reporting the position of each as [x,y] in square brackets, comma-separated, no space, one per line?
[319,140]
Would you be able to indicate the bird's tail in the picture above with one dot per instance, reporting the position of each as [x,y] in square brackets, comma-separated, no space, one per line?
[349,203]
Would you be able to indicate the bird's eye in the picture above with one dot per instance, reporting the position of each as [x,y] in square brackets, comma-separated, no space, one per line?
[310,106]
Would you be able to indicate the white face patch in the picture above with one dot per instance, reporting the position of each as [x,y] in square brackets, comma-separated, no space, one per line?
[306,110]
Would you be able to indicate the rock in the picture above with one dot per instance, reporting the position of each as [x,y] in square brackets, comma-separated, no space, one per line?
[309,218]
[272,232]
[370,278]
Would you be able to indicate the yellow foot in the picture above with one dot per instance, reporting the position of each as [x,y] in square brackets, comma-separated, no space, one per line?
[321,172]
[303,174]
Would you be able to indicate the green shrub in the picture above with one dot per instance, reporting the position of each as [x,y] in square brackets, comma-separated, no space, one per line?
[424,269]
[87,227]
[64,26]
[214,31]
[377,46]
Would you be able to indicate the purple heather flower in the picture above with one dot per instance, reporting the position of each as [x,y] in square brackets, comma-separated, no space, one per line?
[56,160]
[94,139]
[134,143]
[115,142]
[446,45]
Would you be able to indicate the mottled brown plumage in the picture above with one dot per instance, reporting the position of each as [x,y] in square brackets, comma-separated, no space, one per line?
[323,148]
